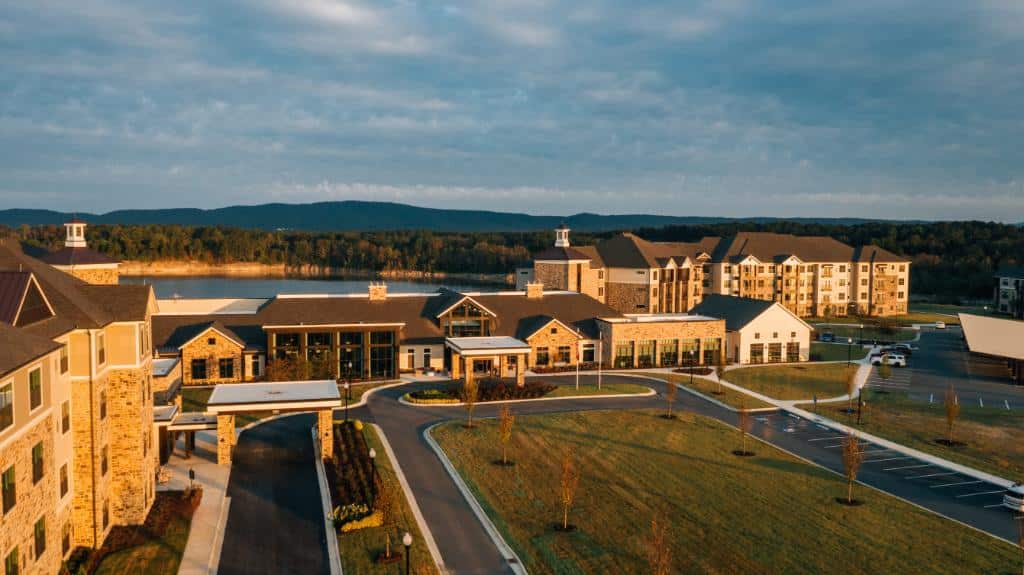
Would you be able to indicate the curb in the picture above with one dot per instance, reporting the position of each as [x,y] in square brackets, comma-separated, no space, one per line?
[513,560]
[218,538]
[648,393]
[325,500]
[428,536]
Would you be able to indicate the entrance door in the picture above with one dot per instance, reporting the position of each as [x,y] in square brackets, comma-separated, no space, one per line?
[482,365]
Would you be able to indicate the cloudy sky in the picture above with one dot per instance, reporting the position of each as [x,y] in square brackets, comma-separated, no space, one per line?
[878,108]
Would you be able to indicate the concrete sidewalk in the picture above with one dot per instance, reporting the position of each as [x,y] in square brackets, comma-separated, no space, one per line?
[202,552]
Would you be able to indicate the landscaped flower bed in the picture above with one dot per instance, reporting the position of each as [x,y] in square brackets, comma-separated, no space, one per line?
[695,370]
[351,477]
[487,392]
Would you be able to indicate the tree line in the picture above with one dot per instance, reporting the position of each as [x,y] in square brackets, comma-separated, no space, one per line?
[952,260]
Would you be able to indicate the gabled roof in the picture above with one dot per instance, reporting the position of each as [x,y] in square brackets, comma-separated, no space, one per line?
[528,326]
[22,301]
[871,253]
[737,312]
[72,256]
[561,254]
[20,348]
[217,327]
[452,299]
[1010,272]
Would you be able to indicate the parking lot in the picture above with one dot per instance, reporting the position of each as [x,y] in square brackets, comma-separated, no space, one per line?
[950,493]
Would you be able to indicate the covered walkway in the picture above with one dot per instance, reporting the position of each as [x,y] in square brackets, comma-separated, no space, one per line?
[501,355]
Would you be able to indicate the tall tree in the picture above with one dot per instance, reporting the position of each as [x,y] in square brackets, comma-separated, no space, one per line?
[853,456]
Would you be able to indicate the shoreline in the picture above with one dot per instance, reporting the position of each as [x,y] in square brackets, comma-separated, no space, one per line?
[282,271]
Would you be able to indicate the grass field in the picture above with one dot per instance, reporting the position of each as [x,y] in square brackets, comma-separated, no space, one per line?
[161,552]
[992,435]
[359,549]
[606,389]
[793,381]
[709,388]
[765,514]
[836,352]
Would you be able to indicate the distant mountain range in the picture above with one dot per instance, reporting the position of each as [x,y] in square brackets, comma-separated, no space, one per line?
[377,216]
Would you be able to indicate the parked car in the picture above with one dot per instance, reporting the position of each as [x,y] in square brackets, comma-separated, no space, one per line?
[893,359]
[827,337]
[903,348]
[940,325]
[1014,497]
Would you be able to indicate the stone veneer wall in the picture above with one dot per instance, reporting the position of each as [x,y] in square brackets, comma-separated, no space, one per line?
[132,461]
[95,276]
[200,349]
[544,338]
[553,276]
[85,409]
[624,298]
[640,331]
[33,501]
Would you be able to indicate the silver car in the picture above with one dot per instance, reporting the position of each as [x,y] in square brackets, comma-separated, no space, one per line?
[1014,498]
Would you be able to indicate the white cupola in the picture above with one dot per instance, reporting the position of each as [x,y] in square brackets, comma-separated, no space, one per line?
[562,236]
[74,234]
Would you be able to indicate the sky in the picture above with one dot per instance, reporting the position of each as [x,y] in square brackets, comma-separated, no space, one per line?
[864,108]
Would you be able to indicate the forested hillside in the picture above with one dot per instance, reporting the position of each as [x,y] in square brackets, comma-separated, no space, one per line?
[951,260]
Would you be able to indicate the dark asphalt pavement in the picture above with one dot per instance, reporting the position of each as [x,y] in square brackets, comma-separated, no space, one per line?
[275,523]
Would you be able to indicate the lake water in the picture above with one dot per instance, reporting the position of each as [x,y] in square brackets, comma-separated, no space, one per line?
[243,287]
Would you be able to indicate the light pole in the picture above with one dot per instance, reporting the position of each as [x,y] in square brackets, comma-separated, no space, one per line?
[849,347]
[348,387]
[373,463]
[407,541]
[600,361]
[692,352]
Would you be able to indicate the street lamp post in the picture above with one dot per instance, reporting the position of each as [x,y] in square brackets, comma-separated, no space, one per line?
[692,359]
[373,463]
[407,541]
[849,347]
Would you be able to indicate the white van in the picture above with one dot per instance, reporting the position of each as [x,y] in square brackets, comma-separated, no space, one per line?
[1014,498]
[940,325]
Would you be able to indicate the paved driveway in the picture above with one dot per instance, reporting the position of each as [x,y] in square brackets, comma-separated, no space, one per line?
[275,523]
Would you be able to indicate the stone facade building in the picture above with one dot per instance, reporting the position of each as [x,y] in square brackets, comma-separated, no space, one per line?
[76,406]
[1009,290]
[809,275]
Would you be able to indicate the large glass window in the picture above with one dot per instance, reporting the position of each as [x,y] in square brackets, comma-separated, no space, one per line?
[350,362]
[623,354]
[226,367]
[543,358]
[645,353]
[319,351]
[466,320]
[774,352]
[712,350]
[793,351]
[564,354]
[6,406]
[198,369]
[382,360]
[757,353]
[286,345]
[688,351]
[589,353]
[669,351]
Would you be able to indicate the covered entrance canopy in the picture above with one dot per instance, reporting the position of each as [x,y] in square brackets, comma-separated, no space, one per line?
[504,354]
[996,337]
[230,399]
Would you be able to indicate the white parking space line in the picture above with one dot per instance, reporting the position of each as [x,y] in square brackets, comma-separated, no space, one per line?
[993,505]
[955,484]
[980,493]
[825,438]
[886,459]
[932,475]
[882,450]
[907,467]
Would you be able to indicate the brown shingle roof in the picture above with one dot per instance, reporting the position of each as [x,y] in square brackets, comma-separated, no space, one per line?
[767,246]
[736,311]
[128,302]
[560,254]
[20,348]
[12,289]
[872,253]
[76,257]
[171,332]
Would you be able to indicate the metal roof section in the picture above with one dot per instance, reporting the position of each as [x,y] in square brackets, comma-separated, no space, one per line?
[209,306]
[162,367]
[483,346]
[993,336]
[657,318]
[278,396]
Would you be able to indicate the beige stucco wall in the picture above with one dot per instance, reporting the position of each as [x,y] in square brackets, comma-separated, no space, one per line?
[436,356]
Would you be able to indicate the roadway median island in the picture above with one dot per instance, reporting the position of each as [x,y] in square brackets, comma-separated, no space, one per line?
[766,513]
[986,438]
[452,393]
[793,382]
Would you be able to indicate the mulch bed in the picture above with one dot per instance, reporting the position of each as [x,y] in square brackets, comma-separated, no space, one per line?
[167,506]
[350,472]
[741,453]
[489,391]
[948,443]
[564,529]
[848,503]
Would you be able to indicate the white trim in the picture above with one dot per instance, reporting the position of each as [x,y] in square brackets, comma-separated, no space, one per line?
[31,281]
[561,323]
[574,260]
[112,265]
[458,303]
[213,328]
[31,423]
[230,409]
[325,325]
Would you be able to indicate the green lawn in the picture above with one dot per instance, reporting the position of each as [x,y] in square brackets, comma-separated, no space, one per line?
[710,388]
[360,548]
[766,514]
[606,389]
[992,435]
[164,540]
[836,352]
[793,381]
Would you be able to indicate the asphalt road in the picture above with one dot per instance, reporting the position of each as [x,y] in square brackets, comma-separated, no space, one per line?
[275,523]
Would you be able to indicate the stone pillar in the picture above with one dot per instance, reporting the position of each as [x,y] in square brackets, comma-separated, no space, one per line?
[520,370]
[325,425]
[456,367]
[501,366]
[225,438]
[469,372]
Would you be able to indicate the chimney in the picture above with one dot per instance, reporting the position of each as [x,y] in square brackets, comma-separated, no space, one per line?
[534,290]
[378,291]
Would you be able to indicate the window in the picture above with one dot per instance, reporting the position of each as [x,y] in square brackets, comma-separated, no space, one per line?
[669,351]
[864,269]
[226,367]
[65,539]
[101,349]
[792,334]
[588,353]
[645,353]
[35,388]
[542,356]
[410,361]
[757,353]
[903,268]
[65,417]
[775,335]
[286,345]
[10,493]
[64,361]
[211,341]
[712,350]
[902,281]
[40,536]
[426,357]
[11,562]
[6,406]
[103,404]
[623,354]
[600,292]
[198,369]
[654,275]
[37,462]
[757,335]
[106,514]
[863,295]
[600,274]
[774,352]
[382,354]
[104,460]
[564,354]
[255,370]
[793,352]
[899,295]
[63,480]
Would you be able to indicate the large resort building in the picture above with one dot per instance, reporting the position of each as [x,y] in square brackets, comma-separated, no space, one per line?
[77,445]
[809,275]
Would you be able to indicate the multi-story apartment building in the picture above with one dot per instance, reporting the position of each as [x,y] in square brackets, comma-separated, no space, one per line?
[1009,288]
[810,275]
[76,410]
